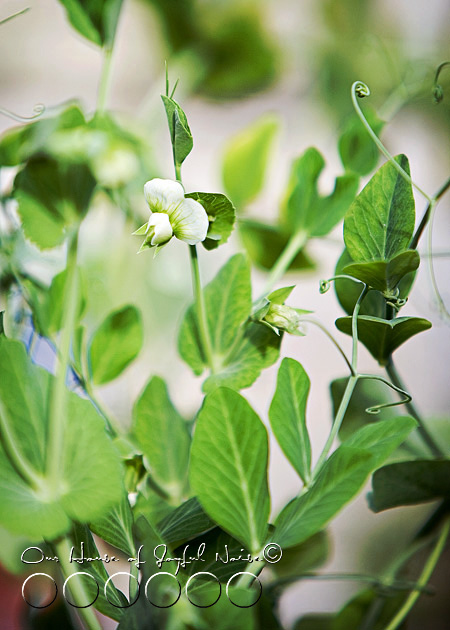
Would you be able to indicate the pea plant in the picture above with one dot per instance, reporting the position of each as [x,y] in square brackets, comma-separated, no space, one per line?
[186,502]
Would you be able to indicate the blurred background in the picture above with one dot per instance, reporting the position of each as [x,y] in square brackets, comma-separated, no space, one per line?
[238,60]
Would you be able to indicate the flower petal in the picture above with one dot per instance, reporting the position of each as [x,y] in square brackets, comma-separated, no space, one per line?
[189,221]
[163,195]
[162,230]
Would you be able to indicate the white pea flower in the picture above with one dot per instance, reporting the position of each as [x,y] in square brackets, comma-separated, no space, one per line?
[172,215]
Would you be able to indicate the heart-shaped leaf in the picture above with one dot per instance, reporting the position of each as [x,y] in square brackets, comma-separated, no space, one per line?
[383,336]
[385,275]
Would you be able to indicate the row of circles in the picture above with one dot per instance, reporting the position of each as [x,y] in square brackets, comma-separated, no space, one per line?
[186,588]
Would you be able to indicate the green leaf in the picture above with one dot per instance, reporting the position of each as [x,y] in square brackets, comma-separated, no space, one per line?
[163,436]
[115,527]
[305,557]
[374,303]
[215,542]
[228,470]
[304,208]
[89,479]
[341,477]
[315,622]
[94,19]
[383,336]
[221,214]
[279,296]
[52,196]
[367,393]
[380,222]
[265,243]
[357,150]
[19,143]
[180,134]
[288,416]
[49,312]
[409,483]
[186,521]
[115,344]
[385,275]
[117,600]
[382,438]
[246,159]
[241,348]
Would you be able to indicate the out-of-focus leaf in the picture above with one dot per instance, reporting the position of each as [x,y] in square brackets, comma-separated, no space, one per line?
[89,478]
[357,150]
[20,143]
[49,312]
[221,214]
[246,159]
[380,222]
[228,470]
[115,344]
[383,336]
[52,197]
[307,211]
[265,243]
[409,483]
[302,558]
[94,19]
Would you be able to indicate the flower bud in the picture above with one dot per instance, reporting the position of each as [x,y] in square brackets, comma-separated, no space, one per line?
[284,318]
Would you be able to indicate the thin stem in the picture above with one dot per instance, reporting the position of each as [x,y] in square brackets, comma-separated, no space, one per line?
[76,587]
[355,314]
[361,89]
[105,76]
[201,310]
[14,15]
[293,246]
[426,217]
[423,431]
[336,424]
[316,322]
[423,579]
[57,415]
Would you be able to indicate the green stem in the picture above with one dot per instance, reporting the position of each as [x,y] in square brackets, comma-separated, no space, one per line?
[423,432]
[201,310]
[76,587]
[293,246]
[105,76]
[57,415]
[336,424]
[362,90]
[355,314]
[423,579]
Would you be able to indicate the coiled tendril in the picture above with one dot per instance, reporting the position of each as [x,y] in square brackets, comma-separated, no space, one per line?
[38,110]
